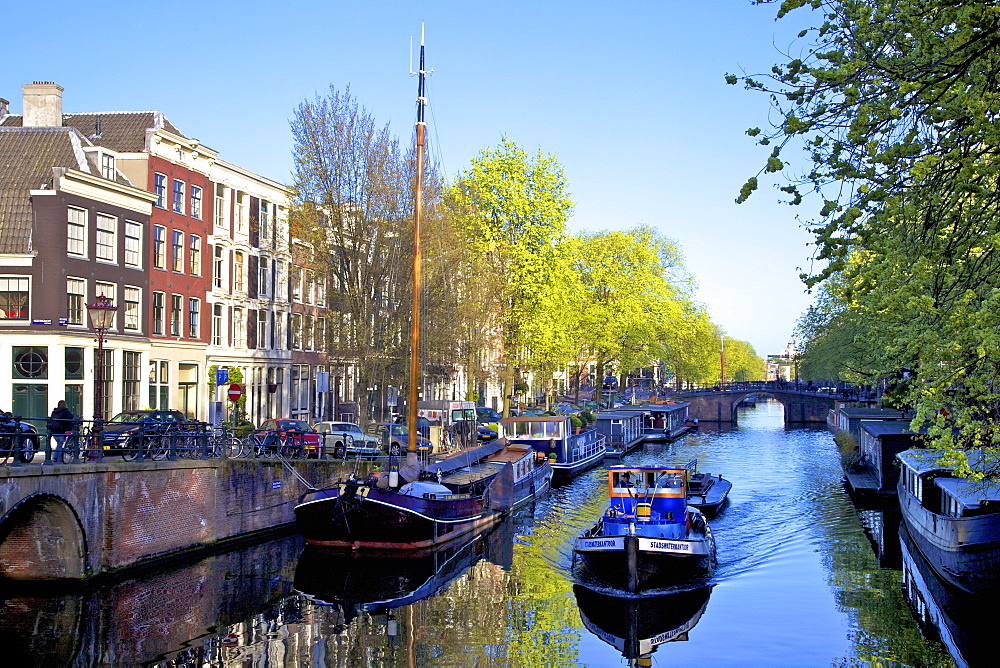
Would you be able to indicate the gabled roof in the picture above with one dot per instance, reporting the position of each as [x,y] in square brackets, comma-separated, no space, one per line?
[27,156]
[122,131]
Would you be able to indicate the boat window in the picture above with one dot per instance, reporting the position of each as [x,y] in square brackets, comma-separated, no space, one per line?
[552,429]
[670,480]
[625,478]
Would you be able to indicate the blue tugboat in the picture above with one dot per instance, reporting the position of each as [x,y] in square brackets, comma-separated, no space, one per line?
[649,537]
[569,454]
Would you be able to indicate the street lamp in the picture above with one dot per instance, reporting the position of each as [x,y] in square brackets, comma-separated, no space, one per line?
[102,316]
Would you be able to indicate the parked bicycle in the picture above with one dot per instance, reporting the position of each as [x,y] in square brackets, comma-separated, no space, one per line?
[17,438]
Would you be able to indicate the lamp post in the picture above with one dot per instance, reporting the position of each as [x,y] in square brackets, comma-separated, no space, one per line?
[102,316]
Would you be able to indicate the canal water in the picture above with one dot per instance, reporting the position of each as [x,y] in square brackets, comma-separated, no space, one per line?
[800,582]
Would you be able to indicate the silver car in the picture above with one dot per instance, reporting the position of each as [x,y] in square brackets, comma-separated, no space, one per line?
[345,438]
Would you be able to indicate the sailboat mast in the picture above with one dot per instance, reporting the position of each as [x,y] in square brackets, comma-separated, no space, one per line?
[411,403]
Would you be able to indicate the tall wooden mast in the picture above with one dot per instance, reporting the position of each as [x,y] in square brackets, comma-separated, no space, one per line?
[414,389]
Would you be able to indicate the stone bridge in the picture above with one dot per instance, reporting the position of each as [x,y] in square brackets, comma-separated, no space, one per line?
[720,406]
[78,521]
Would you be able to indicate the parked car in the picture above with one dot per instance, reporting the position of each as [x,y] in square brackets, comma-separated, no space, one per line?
[346,438]
[120,434]
[18,437]
[294,437]
[484,414]
[486,433]
[394,438]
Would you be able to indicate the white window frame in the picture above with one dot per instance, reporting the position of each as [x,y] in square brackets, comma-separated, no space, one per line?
[263,328]
[177,196]
[102,235]
[136,292]
[109,290]
[160,190]
[176,306]
[162,320]
[220,207]
[196,201]
[81,292]
[217,324]
[194,323]
[76,232]
[177,251]
[108,166]
[133,251]
[194,254]
[160,248]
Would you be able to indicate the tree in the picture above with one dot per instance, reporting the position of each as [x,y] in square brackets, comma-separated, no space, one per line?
[513,208]
[895,104]
[353,203]
[742,362]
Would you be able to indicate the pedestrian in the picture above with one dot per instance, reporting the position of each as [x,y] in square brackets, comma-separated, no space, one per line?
[61,424]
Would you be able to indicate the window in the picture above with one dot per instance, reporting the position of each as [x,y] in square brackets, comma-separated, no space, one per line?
[160,188]
[280,340]
[220,206]
[14,298]
[194,318]
[239,328]
[321,291]
[109,290]
[159,306]
[31,363]
[296,331]
[217,325]
[177,250]
[296,284]
[159,384]
[108,166]
[196,202]
[76,295]
[308,335]
[262,329]
[239,275]
[194,254]
[133,296]
[73,363]
[263,276]
[76,232]
[159,247]
[178,198]
[217,267]
[107,238]
[175,315]
[320,333]
[130,380]
[133,243]
[241,211]
[307,290]
[265,231]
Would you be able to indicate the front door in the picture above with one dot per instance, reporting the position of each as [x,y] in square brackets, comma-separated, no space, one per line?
[32,401]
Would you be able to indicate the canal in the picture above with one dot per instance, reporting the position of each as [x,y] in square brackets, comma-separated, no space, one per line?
[799,583]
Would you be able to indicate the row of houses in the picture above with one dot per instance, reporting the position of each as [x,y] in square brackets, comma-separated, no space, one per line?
[194,251]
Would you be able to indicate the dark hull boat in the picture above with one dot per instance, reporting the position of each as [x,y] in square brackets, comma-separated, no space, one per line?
[952,521]
[637,625]
[466,492]
[706,492]
[648,538]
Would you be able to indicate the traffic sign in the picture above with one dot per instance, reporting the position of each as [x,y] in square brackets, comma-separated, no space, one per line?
[235,392]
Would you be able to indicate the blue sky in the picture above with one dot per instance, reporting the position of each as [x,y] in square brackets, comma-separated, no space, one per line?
[630,96]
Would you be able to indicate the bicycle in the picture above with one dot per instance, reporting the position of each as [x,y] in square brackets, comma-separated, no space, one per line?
[224,444]
[265,445]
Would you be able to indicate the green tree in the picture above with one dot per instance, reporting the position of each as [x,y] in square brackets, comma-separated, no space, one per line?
[513,208]
[895,104]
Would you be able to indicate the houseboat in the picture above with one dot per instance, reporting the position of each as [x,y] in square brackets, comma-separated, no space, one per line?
[622,431]
[705,491]
[872,473]
[954,522]
[648,537]
[569,451]
[465,492]
[662,421]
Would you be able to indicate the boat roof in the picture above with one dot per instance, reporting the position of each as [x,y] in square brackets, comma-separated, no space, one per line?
[622,467]
[884,413]
[653,408]
[535,418]
[616,415]
[967,493]
[887,427]
[924,460]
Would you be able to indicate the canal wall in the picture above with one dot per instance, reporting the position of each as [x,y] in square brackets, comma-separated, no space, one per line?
[83,520]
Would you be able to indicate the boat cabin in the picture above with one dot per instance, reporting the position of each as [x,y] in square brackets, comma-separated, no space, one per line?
[939,491]
[647,494]
[553,436]
[622,430]
[666,419]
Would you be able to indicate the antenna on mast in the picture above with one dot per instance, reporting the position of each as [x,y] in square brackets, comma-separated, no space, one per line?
[421,96]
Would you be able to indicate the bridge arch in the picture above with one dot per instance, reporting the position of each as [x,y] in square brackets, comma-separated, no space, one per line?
[42,538]
[739,397]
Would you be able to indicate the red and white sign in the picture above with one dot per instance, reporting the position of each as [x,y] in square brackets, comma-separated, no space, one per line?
[235,392]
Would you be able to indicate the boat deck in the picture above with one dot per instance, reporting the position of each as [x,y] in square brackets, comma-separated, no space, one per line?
[474,473]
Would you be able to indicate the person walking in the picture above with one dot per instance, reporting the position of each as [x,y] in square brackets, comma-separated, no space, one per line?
[61,425]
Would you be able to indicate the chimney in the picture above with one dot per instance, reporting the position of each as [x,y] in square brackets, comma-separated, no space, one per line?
[42,105]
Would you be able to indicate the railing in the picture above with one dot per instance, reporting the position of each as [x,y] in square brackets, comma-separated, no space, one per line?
[97,441]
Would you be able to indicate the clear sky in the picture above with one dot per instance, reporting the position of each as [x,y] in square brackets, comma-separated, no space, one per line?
[629,95]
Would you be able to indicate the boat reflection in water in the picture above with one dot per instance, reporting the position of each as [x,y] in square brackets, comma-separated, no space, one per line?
[958,618]
[637,625]
[374,581]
